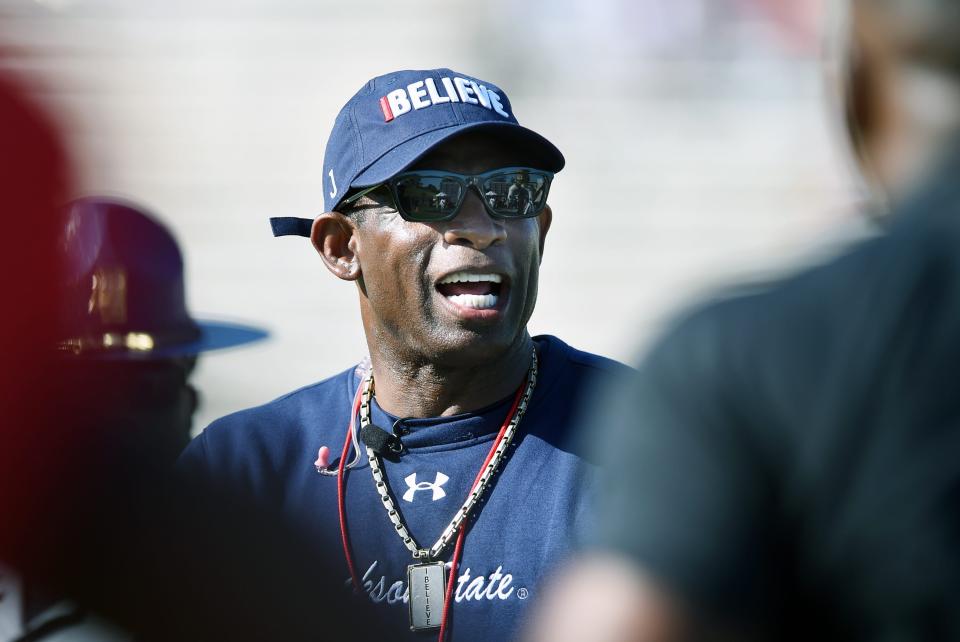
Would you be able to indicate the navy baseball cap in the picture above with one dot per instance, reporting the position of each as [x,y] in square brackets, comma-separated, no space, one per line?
[397,118]
[123,291]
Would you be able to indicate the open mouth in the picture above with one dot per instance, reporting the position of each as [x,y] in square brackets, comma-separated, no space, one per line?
[473,291]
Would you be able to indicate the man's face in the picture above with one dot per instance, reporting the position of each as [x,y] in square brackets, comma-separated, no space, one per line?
[138,411]
[408,296]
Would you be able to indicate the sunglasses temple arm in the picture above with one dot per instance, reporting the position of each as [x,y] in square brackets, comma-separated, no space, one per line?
[356,197]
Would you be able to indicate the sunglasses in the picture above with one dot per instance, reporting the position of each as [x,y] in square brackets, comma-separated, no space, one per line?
[435,195]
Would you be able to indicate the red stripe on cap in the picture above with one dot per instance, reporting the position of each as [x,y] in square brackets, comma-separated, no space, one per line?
[387,112]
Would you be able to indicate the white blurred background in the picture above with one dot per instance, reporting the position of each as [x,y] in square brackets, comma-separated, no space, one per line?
[700,142]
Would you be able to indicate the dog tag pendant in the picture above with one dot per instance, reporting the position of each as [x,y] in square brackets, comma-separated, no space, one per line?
[425,589]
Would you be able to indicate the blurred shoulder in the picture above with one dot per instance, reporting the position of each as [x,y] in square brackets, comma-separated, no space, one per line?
[835,316]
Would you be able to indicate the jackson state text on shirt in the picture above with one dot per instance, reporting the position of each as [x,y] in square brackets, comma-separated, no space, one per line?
[496,586]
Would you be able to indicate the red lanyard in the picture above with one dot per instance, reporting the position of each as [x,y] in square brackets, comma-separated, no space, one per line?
[341,492]
[458,548]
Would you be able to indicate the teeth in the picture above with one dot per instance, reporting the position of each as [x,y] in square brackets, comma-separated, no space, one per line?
[475,301]
[464,277]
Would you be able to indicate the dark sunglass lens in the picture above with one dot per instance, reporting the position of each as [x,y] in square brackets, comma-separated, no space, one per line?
[516,194]
[428,198]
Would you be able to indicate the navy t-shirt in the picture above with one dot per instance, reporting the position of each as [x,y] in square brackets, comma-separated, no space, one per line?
[536,508]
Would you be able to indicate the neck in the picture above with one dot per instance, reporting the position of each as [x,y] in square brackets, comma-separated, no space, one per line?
[417,388]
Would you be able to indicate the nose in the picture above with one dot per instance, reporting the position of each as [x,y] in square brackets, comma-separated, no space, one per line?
[472,226]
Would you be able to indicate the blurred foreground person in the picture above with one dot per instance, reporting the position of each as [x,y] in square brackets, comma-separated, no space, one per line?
[35,177]
[122,409]
[126,323]
[786,465]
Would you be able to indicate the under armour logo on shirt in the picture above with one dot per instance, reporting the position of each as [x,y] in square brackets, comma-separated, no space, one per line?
[413,486]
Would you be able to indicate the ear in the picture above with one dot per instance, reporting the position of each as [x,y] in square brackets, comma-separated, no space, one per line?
[544,219]
[334,238]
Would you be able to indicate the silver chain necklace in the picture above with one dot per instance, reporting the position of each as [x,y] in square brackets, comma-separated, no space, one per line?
[425,580]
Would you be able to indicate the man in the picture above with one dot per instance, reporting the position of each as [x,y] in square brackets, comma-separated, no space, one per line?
[122,414]
[454,382]
[128,340]
[785,465]
[519,195]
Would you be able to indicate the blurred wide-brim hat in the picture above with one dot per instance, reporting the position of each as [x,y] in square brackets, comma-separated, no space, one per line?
[123,292]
